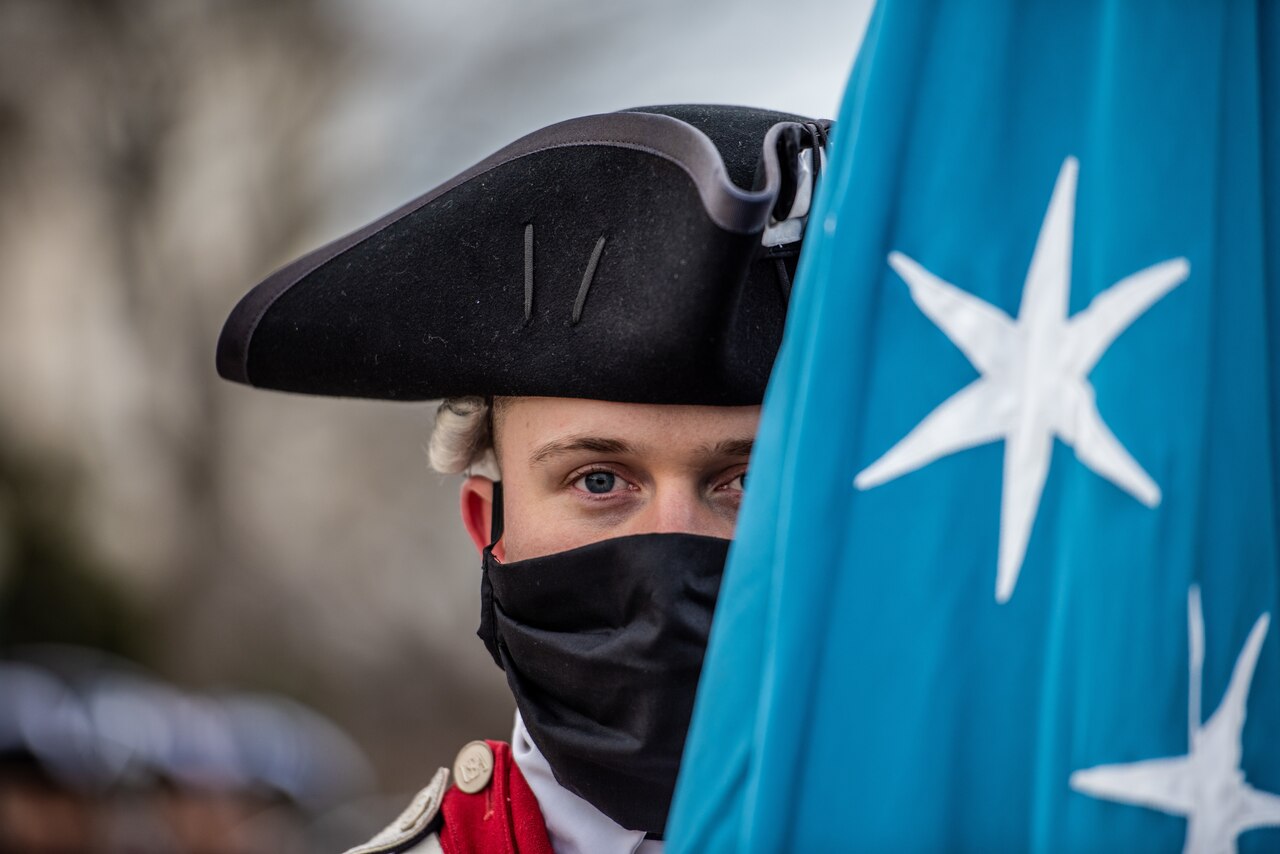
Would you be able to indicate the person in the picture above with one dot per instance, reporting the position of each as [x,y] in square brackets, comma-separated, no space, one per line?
[598,305]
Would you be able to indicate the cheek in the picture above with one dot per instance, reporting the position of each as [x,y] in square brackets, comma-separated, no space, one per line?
[524,539]
[538,528]
[533,529]
[727,525]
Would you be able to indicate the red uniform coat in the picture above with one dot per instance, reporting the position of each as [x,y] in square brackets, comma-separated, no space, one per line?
[502,817]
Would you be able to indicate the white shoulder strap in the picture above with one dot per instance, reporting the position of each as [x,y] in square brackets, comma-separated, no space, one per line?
[411,823]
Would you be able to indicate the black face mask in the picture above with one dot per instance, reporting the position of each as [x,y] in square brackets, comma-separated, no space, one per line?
[602,646]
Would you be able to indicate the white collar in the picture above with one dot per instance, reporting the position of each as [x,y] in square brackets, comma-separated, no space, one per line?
[575,826]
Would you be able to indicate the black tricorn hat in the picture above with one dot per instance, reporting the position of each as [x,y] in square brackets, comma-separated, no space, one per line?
[640,256]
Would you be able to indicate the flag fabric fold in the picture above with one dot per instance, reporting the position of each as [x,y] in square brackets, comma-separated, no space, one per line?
[1005,573]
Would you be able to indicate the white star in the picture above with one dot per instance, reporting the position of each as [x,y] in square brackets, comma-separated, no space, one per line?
[1207,785]
[1034,382]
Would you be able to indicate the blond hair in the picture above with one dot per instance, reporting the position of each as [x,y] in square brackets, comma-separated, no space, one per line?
[462,438]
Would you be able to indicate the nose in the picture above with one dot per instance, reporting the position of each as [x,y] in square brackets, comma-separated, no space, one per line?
[682,511]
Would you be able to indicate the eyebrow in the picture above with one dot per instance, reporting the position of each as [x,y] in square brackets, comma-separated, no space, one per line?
[602,445]
[570,444]
[733,448]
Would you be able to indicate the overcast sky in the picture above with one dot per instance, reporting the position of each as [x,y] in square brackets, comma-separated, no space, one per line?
[441,84]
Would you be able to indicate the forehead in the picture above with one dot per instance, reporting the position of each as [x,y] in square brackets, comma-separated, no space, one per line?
[528,423]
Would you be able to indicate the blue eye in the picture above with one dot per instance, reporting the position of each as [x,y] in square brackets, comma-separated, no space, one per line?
[599,482]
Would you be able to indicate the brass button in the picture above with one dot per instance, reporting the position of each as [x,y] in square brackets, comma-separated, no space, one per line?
[473,768]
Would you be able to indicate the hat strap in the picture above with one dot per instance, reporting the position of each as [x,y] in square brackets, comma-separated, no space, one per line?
[495,516]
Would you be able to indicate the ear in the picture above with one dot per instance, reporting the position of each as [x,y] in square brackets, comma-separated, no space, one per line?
[476,504]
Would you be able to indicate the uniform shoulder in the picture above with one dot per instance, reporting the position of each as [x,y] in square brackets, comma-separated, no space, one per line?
[414,830]
[489,807]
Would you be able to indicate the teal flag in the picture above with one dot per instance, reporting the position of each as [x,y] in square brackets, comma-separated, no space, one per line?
[1006,570]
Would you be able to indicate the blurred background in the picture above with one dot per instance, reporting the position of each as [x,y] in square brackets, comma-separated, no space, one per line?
[234,620]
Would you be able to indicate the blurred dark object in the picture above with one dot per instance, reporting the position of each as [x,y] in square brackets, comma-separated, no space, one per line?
[97,756]
[46,765]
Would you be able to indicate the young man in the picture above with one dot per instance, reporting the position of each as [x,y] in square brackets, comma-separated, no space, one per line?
[599,304]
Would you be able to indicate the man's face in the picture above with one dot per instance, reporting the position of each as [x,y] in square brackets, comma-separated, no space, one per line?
[578,471]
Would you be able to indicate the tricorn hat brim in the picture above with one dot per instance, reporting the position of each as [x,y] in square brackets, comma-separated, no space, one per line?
[615,257]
